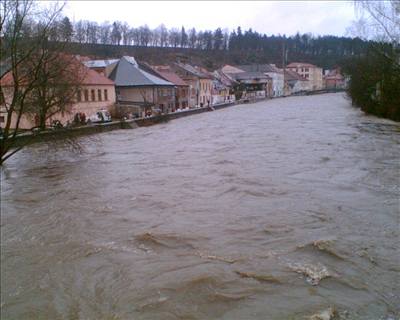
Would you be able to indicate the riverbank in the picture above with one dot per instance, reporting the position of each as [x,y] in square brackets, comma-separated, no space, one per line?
[29,137]
[43,136]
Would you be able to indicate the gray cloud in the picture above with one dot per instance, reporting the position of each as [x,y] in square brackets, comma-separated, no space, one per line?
[271,17]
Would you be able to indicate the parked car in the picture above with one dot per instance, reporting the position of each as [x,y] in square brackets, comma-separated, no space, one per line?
[100,117]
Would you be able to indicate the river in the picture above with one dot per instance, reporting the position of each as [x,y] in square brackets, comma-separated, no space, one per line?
[280,209]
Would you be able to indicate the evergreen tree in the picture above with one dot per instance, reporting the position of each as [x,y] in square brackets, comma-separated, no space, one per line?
[184,38]
[218,39]
[66,29]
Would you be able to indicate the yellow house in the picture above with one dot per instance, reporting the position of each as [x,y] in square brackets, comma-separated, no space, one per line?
[200,84]
[94,93]
[310,72]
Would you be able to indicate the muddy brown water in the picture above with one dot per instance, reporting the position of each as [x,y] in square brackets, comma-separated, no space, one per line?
[273,210]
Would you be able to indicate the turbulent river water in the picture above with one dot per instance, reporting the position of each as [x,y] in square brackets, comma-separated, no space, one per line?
[281,209]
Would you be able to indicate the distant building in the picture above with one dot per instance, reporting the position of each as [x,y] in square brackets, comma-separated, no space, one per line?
[181,87]
[295,83]
[273,72]
[200,83]
[100,65]
[138,92]
[333,79]
[310,72]
[95,93]
[251,85]
[223,88]
[228,69]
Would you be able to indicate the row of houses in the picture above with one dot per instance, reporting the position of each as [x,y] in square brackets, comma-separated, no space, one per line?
[128,88]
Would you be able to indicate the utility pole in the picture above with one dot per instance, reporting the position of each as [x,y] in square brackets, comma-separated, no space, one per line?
[283,64]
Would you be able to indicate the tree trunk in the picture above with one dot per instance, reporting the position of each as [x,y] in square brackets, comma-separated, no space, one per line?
[42,121]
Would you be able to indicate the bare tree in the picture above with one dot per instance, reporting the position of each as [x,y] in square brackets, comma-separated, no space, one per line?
[135,36]
[57,82]
[116,33]
[156,37]
[379,20]
[80,32]
[92,32]
[174,37]
[26,46]
[105,33]
[163,35]
[125,33]
[374,84]
[145,35]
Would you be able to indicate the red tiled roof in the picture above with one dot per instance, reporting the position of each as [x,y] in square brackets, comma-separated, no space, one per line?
[7,79]
[170,76]
[231,69]
[292,75]
[334,77]
[88,76]
[92,77]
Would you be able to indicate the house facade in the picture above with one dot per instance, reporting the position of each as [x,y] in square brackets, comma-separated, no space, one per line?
[310,72]
[200,84]
[223,88]
[295,83]
[256,85]
[270,70]
[251,84]
[181,87]
[333,79]
[139,93]
[95,92]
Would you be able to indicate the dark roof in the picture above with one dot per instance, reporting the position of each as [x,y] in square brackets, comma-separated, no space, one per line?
[225,79]
[250,76]
[194,71]
[258,68]
[128,74]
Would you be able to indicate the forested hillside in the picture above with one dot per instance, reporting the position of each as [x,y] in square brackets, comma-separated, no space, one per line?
[208,48]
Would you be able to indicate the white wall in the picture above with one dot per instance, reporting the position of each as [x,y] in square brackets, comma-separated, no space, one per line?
[277,83]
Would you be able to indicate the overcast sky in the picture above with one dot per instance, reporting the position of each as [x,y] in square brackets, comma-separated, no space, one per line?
[270,17]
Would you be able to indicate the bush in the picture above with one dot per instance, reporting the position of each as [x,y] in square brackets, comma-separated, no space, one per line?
[375,81]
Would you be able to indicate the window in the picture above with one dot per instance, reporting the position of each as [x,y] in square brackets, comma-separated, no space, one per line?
[79,95]
[86,93]
[99,95]
[105,94]
[307,76]
[2,119]
[93,95]
[306,69]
